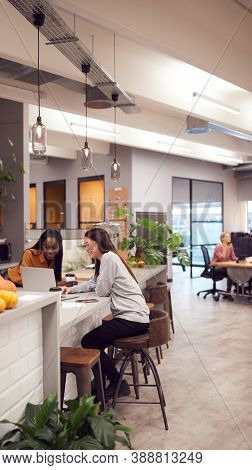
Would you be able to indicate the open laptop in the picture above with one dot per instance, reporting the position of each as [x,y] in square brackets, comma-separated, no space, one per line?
[37,279]
[41,280]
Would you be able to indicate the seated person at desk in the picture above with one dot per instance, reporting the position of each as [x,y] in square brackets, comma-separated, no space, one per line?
[224,252]
[46,253]
[114,278]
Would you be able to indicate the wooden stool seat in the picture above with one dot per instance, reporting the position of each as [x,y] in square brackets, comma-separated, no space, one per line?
[131,342]
[79,356]
[80,362]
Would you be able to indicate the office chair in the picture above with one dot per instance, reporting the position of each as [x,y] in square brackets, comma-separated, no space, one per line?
[211,273]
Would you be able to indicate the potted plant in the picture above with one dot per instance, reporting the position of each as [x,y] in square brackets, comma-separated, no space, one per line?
[80,427]
[149,240]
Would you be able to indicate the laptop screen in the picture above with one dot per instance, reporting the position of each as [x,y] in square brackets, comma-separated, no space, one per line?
[37,279]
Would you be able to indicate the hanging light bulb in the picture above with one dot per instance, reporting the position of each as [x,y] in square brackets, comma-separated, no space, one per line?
[115,170]
[115,167]
[86,157]
[86,152]
[39,133]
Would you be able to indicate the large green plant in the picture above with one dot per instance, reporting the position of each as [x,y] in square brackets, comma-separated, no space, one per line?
[158,235]
[81,427]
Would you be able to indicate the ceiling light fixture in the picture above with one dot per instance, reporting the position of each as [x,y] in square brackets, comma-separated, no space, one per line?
[115,167]
[86,152]
[219,104]
[96,129]
[39,134]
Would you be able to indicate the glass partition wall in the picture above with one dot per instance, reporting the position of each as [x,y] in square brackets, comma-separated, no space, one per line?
[197,213]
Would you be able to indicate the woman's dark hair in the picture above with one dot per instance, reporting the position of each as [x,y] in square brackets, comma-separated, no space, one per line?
[51,233]
[103,240]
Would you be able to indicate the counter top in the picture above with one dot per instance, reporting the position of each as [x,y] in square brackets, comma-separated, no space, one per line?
[73,312]
[142,274]
[27,302]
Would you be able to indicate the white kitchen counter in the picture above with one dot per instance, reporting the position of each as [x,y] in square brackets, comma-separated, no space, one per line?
[29,353]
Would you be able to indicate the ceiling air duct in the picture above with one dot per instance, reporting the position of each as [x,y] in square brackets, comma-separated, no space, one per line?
[196,125]
[200,126]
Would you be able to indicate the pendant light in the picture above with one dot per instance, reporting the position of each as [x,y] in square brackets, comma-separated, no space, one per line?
[39,134]
[115,167]
[86,152]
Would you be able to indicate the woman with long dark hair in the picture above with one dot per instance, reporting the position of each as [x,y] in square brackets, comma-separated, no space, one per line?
[114,278]
[46,253]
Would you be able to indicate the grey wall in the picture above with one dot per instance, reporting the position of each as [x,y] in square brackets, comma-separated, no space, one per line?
[71,170]
[155,191]
[13,122]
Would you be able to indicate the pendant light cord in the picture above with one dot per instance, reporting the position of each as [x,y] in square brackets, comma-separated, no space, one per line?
[115,101]
[115,131]
[86,107]
[38,76]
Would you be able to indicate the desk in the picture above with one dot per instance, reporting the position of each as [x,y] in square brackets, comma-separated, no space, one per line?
[240,272]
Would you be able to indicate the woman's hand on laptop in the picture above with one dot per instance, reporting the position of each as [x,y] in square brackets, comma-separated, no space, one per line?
[66,290]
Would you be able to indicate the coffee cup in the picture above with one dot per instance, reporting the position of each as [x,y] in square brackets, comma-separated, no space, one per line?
[70,278]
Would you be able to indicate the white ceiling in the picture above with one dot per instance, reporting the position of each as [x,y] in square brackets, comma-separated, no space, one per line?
[165,51]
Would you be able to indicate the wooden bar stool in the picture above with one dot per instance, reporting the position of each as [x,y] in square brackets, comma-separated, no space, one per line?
[161,295]
[81,362]
[157,335]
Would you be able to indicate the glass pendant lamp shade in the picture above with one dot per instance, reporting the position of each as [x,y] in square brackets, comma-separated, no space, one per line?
[115,167]
[115,170]
[39,133]
[39,137]
[86,157]
[86,152]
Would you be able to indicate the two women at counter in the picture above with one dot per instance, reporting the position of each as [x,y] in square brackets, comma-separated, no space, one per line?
[46,253]
[114,278]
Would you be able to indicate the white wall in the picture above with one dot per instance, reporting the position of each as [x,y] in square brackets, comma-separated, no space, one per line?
[152,182]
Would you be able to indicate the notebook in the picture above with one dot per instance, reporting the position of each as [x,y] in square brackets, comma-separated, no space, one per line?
[37,279]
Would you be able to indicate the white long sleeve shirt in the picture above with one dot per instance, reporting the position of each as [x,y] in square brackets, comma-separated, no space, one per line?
[114,280]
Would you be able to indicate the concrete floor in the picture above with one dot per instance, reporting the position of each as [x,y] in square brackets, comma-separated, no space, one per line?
[206,376]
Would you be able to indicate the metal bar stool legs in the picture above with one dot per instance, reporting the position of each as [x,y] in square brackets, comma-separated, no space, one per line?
[153,368]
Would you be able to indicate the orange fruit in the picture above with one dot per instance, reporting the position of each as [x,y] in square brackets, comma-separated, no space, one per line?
[7,285]
[2,305]
[10,298]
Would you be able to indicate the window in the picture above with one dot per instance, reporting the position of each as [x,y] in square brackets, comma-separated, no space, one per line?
[91,192]
[249,217]
[197,214]
[54,204]
[33,206]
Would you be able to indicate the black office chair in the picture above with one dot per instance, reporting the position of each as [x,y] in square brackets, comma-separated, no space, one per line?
[211,273]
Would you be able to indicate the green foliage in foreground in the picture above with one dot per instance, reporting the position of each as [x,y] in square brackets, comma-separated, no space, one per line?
[81,427]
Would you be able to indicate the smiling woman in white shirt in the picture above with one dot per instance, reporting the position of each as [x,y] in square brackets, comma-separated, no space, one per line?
[114,278]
